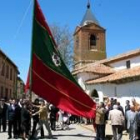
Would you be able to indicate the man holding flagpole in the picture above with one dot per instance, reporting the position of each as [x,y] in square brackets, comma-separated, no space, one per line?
[43,119]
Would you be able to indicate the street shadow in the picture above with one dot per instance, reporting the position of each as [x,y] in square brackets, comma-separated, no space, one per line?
[74,135]
[65,129]
[46,137]
[109,137]
[65,135]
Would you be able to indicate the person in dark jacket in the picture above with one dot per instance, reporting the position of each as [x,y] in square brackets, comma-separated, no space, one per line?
[18,118]
[53,113]
[36,119]
[0,115]
[11,119]
[127,108]
[4,114]
[120,107]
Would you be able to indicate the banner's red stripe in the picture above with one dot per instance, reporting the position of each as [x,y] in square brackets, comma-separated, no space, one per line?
[63,85]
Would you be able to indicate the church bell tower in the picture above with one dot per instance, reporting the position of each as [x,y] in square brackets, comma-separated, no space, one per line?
[89,40]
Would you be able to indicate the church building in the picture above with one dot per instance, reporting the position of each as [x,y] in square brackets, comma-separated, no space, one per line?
[101,77]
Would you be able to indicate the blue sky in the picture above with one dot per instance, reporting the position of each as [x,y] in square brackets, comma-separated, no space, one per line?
[120,18]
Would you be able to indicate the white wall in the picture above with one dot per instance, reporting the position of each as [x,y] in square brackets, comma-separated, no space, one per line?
[86,76]
[134,61]
[129,91]
[107,89]
[122,92]
[82,77]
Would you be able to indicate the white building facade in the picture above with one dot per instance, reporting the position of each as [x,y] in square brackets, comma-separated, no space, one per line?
[120,78]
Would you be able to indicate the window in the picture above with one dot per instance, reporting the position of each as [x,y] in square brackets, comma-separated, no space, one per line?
[128,64]
[6,92]
[1,94]
[77,41]
[92,40]
[11,73]
[7,71]
[3,69]
[94,94]
[10,96]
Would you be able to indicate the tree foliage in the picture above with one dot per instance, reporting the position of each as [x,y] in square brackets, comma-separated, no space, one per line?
[64,42]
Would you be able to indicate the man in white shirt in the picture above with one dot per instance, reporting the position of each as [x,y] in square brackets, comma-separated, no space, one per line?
[117,120]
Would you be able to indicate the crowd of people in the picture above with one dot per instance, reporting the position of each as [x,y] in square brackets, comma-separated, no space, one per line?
[127,119]
[24,119]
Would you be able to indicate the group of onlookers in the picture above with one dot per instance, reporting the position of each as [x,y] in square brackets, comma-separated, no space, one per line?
[24,119]
[17,115]
[127,119]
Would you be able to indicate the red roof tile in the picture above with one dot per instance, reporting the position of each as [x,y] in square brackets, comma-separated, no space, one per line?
[96,68]
[118,75]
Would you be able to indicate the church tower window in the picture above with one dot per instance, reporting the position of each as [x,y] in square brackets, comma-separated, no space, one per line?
[93,42]
[77,41]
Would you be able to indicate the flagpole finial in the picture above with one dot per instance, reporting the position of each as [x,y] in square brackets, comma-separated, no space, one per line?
[88,5]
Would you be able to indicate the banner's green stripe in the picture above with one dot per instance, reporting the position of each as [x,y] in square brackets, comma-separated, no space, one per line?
[43,47]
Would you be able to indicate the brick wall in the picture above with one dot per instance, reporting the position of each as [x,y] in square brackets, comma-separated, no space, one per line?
[8,77]
[83,50]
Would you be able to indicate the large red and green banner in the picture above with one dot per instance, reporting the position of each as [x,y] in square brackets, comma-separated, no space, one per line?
[50,78]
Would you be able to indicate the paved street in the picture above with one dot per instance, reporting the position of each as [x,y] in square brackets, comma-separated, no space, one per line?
[76,132]
[108,131]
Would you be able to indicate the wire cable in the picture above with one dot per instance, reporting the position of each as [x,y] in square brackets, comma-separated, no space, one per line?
[23,18]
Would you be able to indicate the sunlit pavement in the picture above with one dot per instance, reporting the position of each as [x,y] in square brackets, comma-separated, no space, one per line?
[75,132]
[108,131]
